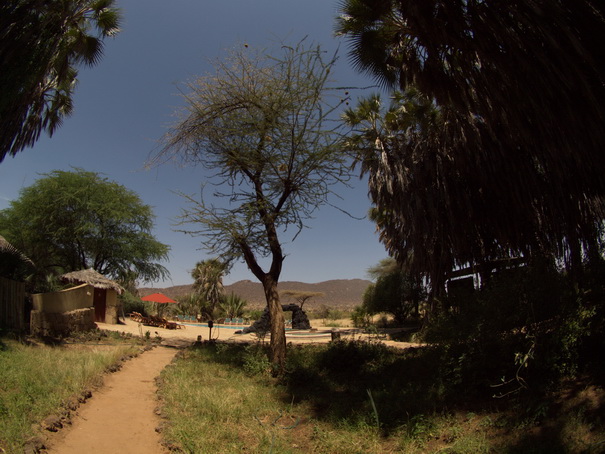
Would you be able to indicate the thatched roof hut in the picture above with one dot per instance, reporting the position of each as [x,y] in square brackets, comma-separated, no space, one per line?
[92,277]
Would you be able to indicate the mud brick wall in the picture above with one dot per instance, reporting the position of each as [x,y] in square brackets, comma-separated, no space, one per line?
[62,324]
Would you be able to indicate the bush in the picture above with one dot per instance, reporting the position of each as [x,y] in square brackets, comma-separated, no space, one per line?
[132,304]
[254,314]
[255,360]
[232,305]
[360,317]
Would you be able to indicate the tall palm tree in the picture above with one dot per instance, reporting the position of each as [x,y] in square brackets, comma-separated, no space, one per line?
[42,42]
[208,280]
[513,163]
[436,183]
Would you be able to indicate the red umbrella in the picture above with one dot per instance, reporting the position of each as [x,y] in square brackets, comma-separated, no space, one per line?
[158,298]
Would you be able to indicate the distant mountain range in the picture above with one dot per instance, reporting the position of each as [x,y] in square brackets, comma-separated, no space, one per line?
[341,293]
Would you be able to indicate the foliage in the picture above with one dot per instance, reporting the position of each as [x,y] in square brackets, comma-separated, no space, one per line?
[132,303]
[233,305]
[526,324]
[41,45]
[254,314]
[360,317]
[326,312]
[482,155]
[255,360]
[69,221]
[394,292]
[511,301]
[195,304]
[323,311]
[208,281]
[261,125]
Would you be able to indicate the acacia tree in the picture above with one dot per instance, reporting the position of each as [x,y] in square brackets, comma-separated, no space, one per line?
[42,43]
[261,125]
[301,296]
[68,221]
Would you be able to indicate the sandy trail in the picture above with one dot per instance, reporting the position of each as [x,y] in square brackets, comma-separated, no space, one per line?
[187,336]
[120,417]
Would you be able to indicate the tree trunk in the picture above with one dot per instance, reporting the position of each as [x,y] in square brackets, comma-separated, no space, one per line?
[278,326]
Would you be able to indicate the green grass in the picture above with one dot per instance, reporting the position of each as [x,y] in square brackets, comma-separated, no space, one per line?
[35,382]
[217,401]
[355,397]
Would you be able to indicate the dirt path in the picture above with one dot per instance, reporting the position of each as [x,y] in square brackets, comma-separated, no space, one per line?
[120,417]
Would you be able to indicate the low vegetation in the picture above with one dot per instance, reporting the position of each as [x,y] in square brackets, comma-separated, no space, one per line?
[362,397]
[37,380]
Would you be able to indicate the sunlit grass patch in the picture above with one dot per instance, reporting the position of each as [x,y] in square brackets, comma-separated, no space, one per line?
[35,381]
[217,407]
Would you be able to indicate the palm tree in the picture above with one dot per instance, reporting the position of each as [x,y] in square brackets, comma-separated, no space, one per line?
[233,305]
[436,182]
[208,281]
[42,42]
[195,305]
[509,166]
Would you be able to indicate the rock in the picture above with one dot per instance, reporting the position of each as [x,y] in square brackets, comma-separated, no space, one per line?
[114,368]
[85,396]
[52,423]
[72,404]
[263,324]
[34,445]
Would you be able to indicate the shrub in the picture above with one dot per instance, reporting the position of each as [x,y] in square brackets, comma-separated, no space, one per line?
[254,314]
[132,304]
[360,317]
[232,305]
[256,360]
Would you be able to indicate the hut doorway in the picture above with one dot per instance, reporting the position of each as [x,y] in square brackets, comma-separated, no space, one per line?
[100,304]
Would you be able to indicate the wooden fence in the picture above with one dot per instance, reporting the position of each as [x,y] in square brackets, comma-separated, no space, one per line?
[12,304]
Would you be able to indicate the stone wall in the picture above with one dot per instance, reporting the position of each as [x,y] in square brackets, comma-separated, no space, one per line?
[55,324]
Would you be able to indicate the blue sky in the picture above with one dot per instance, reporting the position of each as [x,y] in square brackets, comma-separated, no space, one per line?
[125,104]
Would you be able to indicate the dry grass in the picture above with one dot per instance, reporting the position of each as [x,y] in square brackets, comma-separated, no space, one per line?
[219,399]
[37,380]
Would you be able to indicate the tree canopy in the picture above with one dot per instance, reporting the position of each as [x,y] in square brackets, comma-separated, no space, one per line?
[261,125]
[301,296]
[493,146]
[72,220]
[42,43]
[394,291]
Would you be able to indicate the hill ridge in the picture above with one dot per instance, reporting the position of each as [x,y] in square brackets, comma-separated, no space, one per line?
[341,293]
